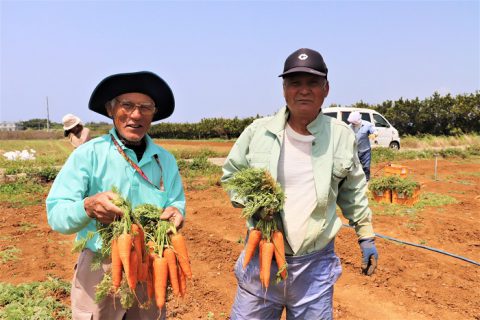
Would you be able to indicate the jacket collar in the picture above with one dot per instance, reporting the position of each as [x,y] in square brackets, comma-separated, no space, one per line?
[279,120]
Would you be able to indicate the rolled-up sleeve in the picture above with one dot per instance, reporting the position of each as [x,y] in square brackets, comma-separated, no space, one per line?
[353,201]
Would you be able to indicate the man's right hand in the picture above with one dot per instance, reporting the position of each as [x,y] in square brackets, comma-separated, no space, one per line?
[101,208]
[261,214]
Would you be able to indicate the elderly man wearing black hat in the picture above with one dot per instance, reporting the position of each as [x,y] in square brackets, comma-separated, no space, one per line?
[128,159]
[314,158]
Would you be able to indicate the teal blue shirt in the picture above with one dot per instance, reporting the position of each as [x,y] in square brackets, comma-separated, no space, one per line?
[97,166]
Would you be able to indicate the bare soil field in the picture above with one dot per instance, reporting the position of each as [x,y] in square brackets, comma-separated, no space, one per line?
[410,282]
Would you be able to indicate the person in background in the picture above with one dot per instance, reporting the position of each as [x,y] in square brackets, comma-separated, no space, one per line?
[314,158]
[74,129]
[364,130]
[128,159]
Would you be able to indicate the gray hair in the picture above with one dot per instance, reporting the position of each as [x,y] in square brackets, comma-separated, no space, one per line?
[325,81]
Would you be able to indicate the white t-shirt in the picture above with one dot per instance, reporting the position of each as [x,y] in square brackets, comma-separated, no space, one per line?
[295,174]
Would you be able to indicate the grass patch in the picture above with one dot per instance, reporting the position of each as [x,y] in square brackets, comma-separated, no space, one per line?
[380,155]
[9,254]
[430,141]
[23,192]
[25,226]
[48,152]
[35,300]
[465,182]
[199,173]
[196,153]
[473,174]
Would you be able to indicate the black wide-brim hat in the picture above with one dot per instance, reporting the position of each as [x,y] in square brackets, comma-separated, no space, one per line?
[142,82]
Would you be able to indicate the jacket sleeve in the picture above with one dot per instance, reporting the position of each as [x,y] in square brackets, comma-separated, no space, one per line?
[176,195]
[352,198]
[65,202]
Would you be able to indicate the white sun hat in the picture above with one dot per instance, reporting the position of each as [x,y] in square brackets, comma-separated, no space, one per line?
[70,121]
[355,118]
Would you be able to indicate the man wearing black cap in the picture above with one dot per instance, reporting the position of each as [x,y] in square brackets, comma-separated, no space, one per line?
[314,158]
[128,159]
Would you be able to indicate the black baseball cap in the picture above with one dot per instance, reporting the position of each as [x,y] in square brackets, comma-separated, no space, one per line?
[305,60]
[145,82]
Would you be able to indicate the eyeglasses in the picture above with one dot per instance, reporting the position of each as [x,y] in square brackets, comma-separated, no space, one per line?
[145,108]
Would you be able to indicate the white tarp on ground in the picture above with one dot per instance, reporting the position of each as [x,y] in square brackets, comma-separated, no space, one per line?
[20,155]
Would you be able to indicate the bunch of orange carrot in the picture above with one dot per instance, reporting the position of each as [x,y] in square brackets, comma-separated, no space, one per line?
[269,242]
[145,250]
[169,262]
[261,193]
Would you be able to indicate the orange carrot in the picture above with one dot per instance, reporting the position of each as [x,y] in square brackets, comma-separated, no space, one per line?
[172,270]
[183,282]
[132,275]
[267,255]
[160,276]
[277,239]
[145,269]
[260,255]
[116,265]
[124,249]
[151,246]
[180,247]
[254,238]
[137,244]
[150,289]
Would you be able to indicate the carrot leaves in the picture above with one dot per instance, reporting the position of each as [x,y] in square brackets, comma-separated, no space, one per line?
[259,191]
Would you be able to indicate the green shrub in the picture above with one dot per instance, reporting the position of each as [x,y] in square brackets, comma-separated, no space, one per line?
[381,184]
[395,183]
[406,186]
[47,173]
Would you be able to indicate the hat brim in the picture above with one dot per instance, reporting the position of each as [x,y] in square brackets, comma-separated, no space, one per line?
[304,70]
[142,82]
[65,128]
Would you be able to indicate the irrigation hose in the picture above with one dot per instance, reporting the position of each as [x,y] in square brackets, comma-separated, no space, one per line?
[421,246]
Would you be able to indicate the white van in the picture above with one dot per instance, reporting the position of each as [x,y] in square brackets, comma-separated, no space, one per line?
[387,134]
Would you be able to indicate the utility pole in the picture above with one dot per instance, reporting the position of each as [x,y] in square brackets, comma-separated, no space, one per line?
[48,118]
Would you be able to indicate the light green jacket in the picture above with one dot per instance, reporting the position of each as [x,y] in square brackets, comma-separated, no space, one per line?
[97,166]
[339,178]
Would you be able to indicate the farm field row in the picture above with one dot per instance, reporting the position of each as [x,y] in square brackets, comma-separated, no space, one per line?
[410,283]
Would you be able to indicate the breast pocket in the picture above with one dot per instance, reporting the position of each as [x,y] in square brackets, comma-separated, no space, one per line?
[153,196]
[258,160]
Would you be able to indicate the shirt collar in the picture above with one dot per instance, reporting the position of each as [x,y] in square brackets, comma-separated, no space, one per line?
[277,123]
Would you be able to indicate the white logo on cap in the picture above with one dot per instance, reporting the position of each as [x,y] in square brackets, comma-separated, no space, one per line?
[303,56]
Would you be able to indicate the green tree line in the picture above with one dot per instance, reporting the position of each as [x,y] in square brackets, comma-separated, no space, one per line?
[207,128]
[436,115]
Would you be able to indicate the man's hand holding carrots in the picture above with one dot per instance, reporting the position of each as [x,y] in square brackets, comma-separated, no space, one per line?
[101,208]
[174,215]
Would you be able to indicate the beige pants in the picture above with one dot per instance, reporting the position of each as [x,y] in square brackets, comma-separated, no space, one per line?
[83,296]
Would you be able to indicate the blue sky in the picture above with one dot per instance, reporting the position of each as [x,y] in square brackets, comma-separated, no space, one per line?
[222,58]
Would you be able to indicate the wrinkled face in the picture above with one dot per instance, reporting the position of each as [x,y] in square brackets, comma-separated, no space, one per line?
[131,124]
[304,94]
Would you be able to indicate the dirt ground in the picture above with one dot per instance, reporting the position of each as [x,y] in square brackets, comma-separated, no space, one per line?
[410,282]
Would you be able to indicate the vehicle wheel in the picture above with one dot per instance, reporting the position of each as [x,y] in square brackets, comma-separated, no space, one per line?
[394,145]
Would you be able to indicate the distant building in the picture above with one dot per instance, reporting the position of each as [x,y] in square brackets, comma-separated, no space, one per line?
[10,126]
